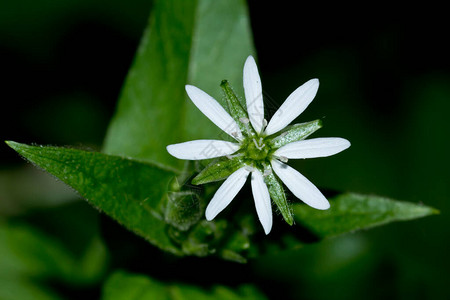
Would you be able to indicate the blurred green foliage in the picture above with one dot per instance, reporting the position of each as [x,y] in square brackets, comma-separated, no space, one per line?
[121,285]
[384,86]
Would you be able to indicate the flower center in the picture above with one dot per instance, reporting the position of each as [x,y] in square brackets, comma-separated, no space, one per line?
[257,149]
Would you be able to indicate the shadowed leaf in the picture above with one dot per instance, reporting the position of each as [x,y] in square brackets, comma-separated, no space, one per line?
[351,212]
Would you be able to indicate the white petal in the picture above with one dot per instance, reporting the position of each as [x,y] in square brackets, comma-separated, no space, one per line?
[214,111]
[294,105]
[319,147]
[202,149]
[253,94]
[227,191]
[262,201]
[301,187]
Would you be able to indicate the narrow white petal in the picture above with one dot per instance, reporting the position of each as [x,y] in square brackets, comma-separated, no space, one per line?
[227,191]
[294,105]
[319,147]
[262,200]
[253,94]
[214,111]
[202,149]
[301,187]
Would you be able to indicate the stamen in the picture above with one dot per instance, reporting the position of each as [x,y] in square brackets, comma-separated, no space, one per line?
[247,126]
[249,168]
[244,120]
[257,145]
[264,124]
[283,159]
[267,172]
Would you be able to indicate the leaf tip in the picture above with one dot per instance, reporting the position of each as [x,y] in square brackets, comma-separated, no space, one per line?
[195,181]
[12,144]
[288,217]
[434,211]
[319,123]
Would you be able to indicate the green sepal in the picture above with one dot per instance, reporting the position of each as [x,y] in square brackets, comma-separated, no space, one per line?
[219,170]
[294,133]
[277,194]
[236,109]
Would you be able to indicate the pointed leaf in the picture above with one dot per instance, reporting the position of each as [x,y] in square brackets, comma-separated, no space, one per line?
[154,110]
[294,133]
[128,191]
[351,212]
[348,213]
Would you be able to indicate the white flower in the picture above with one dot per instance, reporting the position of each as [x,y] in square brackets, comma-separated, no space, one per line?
[258,149]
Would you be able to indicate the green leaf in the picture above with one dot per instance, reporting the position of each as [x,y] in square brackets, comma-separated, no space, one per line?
[186,42]
[129,191]
[351,212]
[293,133]
[218,170]
[348,213]
[136,195]
[127,286]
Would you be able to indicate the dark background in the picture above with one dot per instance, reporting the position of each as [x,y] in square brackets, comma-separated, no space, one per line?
[385,86]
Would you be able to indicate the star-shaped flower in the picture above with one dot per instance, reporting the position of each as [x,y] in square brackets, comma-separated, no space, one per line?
[260,148]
